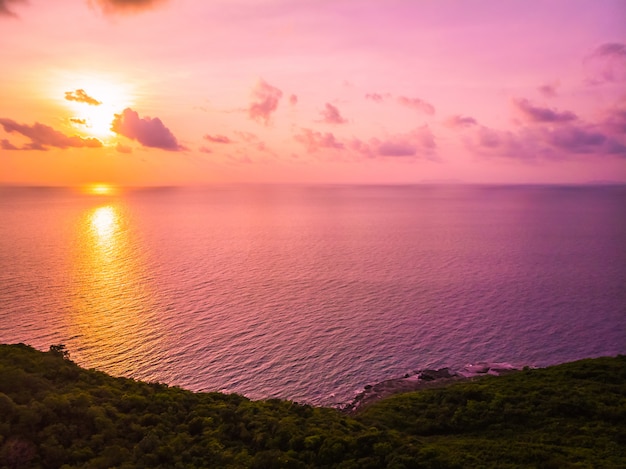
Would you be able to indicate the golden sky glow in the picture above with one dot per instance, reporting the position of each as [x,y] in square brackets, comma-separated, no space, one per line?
[354,91]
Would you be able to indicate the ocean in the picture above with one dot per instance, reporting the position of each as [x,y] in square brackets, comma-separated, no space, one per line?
[308,293]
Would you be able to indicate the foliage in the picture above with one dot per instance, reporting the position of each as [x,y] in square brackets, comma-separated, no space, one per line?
[54,414]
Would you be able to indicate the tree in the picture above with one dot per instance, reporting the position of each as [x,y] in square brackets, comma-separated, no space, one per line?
[60,350]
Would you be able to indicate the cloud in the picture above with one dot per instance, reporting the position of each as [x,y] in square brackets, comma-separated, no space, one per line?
[376,97]
[417,104]
[293,100]
[266,98]
[615,120]
[4,7]
[459,122]
[549,90]
[42,136]
[126,6]
[533,143]
[419,143]
[123,148]
[81,97]
[583,140]
[253,141]
[607,63]
[397,148]
[6,145]
[541,114]
[147,131]
[76,120]
[331,115]
[204,149]
[217,139]
[314,141]
[611,49]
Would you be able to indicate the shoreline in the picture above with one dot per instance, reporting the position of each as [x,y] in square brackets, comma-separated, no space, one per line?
[423,379]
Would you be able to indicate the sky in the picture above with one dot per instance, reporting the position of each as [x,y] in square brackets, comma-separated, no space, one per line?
[175,92]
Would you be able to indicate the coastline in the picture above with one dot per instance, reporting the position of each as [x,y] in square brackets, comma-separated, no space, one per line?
[423,379]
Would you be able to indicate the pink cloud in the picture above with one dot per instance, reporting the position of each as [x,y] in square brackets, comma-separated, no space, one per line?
[314,141]
[4,7]
[607,63]
[540,114]
[615,120]
[147,131]
[533,143]
[253,141]
[204,149]
[42,136]
[81,97]
[376,97]
[549,90]
[331,115]
[460,122]
[266,99]
[217,139]
[419,143]
[127,6]
[417,104]
[123,148]
[293,100]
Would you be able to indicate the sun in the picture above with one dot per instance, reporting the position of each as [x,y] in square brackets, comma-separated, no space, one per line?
[100,189]
[92,102]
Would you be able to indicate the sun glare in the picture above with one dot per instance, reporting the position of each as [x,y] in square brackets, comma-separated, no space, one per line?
[100,189]
[93,102]
[103,221]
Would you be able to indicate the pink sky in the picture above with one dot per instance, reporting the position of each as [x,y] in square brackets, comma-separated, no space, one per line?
[343,91]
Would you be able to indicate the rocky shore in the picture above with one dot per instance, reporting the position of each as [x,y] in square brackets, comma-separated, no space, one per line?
[423,379]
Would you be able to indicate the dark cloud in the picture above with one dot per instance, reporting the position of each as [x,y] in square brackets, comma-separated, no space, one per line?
[293,100]
[42,137]
[147,131]
[127,6]
[314,141]
[417,104]
[4,7]
[81,97]
[542,114]
[459,122]
[607,63]
[266,98]
[331,115]
[217,139]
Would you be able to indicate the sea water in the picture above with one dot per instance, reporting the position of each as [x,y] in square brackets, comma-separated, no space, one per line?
[309,293]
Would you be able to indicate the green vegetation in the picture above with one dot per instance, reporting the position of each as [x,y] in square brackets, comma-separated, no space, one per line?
[54,414]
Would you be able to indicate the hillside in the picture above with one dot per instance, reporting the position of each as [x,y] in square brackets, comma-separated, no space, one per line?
[55,414]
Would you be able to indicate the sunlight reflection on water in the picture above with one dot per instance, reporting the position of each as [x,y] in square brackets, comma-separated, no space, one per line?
[112,303]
